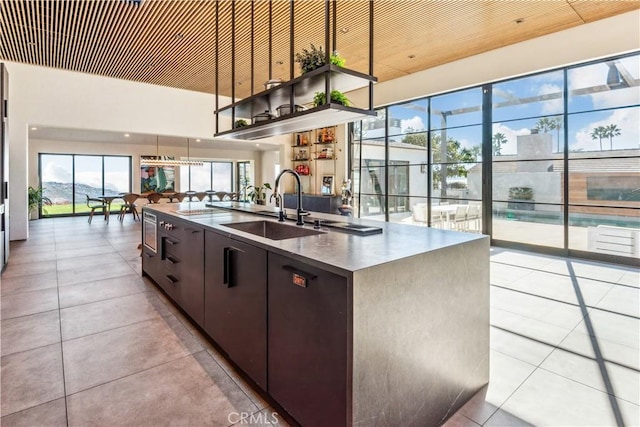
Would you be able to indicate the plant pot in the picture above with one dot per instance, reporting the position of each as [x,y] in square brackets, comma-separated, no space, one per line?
[262,117]
[285,109]
[260,202]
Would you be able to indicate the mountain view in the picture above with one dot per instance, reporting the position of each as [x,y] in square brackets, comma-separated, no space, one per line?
[61,192]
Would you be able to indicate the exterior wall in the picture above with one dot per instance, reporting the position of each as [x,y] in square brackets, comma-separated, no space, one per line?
[578,191]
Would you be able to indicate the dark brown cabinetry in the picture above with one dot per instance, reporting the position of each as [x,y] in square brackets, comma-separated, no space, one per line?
[235,296]
[179,265]
[307,338]
[150,263]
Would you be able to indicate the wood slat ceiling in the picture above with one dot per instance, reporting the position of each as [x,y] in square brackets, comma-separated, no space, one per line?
[173,43]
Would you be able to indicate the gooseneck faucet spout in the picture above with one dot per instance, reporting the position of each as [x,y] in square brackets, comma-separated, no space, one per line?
[276,194]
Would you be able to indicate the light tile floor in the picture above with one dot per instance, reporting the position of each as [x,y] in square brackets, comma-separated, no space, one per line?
[86,341]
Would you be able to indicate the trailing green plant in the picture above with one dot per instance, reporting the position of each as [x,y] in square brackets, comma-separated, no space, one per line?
[37,199]
[310,59]
[337,97]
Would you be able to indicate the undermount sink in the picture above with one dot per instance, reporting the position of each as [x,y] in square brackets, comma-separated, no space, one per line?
[272,230]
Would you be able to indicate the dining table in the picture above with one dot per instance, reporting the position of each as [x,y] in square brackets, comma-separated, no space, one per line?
[447,210]
[108,198]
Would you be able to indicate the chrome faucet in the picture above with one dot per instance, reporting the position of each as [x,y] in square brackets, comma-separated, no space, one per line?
[279,201]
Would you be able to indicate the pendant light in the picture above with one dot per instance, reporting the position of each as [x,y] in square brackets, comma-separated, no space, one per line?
[168,161]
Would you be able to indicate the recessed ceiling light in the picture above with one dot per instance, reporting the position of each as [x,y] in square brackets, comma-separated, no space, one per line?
[178,36]
[34,128]
[257,145]
[412,56]
[126,135]
[197,140]
[519,21]
[344,30]
[279,62]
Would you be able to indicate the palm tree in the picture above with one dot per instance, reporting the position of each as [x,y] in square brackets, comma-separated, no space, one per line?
[557,122]
[599,133]
[545,124]
[498,140]
[611,131]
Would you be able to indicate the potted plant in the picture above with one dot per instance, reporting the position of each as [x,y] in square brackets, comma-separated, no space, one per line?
[337,97]
[258,194]
[240,123]
[37,199]
[313,58]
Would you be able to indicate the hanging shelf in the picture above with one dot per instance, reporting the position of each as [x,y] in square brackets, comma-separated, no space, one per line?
[304,89]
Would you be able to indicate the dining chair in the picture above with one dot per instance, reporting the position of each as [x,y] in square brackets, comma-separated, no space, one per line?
[190,194]
[473,214]
[154,197]
[460,218]
[129,205]
[437,219]
[180,196]
[210,194]
[221,195]
[201,195]
[234,196]
[94,204]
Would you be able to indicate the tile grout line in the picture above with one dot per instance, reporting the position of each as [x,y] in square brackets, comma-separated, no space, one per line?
[64,382]
[589,386]
[593,307]
[540,270]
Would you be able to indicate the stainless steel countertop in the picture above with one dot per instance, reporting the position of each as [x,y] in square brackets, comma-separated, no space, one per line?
[342,252]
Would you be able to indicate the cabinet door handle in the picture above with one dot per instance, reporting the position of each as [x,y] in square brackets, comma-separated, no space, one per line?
[193,231]
[226,276]
[171,279]
[300,277]
[172,260]
[147,255]
[228,265]
[170,241]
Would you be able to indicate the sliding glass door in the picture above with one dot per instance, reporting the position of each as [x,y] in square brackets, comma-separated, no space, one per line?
[67,180]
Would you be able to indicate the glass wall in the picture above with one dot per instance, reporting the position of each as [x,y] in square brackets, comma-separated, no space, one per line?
[67,179]
[527,142]
[217,176]
[560,149]
[603,121]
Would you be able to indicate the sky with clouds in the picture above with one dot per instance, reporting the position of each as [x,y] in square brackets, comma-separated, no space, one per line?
[618,106]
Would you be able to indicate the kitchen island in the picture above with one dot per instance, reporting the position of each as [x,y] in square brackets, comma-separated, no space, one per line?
[338,329]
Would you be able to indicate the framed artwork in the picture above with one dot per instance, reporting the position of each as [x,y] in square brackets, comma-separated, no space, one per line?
[327,185]
[157,179]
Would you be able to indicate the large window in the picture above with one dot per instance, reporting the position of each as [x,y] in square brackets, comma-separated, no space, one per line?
[216,176]
[550,160]
[67,180]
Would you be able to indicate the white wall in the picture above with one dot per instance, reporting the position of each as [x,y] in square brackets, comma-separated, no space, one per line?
[49,97]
